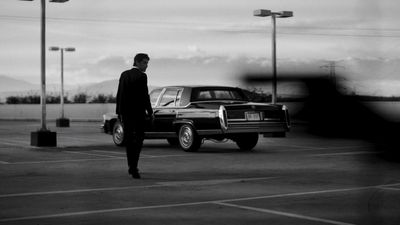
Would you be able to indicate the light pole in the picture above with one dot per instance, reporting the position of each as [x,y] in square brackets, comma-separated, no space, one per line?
[62,121]
[283,14]
[43,137]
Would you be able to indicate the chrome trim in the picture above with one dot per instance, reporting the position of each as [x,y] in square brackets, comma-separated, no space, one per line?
[223,117]
[253,127]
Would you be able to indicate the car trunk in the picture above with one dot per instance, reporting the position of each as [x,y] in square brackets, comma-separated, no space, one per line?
[247,111]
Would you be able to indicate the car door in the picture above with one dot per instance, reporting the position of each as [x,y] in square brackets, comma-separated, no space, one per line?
[154,98]
[166,110]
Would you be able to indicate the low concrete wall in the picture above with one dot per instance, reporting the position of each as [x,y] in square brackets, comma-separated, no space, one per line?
[75,112]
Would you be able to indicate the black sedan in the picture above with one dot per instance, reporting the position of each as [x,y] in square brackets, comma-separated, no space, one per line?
[187,115]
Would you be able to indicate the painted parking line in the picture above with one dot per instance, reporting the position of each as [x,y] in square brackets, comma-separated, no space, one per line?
[297,216]
[159,184]
[105,157]
[213,182]
[91,212]
[92,154]
[143,155]
[22,144]
[63,161]
[82,139]
[26,194]
[163,156]
[390,188]
[319,148]
[345,153]
[112,152]
[309,193]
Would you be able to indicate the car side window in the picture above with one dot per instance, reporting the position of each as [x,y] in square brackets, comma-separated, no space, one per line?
[178,97]
[154,96]
[170,98]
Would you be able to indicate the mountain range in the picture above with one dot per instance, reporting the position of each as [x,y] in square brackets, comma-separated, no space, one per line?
[14,87]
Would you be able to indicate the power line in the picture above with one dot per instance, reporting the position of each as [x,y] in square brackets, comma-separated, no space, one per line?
[27,18]
[11,17]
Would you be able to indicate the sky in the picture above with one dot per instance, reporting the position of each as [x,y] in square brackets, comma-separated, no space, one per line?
[205,42]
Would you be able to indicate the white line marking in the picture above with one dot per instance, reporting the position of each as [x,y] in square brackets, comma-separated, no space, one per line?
[81,139]
[345,153]
[77,191]
[63,161]
[390,188]
[212,182]
[142,155]
[161,156]
[91,154]
[308,193]
[112,152]
[159,184]
[101,211]
[316,148]
[185,204]
[284,214]
[22,144]
[108,157]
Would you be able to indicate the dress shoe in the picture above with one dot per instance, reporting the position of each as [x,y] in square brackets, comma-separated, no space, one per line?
[135,175]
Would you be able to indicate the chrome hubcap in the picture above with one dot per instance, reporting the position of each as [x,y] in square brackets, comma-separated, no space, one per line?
[186,137]
[119,134]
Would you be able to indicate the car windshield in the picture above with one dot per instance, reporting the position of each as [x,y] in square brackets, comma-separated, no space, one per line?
[213,94]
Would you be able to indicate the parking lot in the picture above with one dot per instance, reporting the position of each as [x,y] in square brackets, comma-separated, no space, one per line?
[300,179]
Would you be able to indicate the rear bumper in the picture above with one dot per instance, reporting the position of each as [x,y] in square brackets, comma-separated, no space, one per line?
[256,127]
[249,127]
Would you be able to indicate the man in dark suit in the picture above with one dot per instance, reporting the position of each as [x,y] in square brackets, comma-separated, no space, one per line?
[133,106]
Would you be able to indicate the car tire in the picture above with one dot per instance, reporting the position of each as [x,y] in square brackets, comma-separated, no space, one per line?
[118,134]
[247,142]
[173,141]
[188,138]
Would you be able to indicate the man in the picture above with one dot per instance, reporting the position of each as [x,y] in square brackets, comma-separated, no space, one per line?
[133,105]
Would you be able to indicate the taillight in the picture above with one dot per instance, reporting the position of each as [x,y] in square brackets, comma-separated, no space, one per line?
[287,117]
[223,117]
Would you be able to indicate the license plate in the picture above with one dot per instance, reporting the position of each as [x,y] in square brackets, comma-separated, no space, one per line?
[253,116]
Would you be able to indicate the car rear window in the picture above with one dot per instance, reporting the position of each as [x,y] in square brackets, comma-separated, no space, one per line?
[217,94]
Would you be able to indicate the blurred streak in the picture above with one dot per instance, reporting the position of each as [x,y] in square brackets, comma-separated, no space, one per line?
[330,113]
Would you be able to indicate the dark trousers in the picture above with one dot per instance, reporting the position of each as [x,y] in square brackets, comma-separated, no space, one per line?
[134,135]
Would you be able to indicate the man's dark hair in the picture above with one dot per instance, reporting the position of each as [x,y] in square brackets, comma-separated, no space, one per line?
[139,57]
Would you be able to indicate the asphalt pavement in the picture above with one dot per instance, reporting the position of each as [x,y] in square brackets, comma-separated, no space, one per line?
[300,179]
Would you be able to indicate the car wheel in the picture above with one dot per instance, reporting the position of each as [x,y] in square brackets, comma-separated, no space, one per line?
[173,141]
[118,134]
[188,138]
[247,142]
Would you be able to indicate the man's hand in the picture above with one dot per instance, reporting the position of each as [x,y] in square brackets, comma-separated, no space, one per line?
[151,117]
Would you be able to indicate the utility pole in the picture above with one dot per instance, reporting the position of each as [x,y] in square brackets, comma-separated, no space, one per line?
[331,66]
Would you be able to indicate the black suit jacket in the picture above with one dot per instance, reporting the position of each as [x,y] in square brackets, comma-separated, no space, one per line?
[133,95]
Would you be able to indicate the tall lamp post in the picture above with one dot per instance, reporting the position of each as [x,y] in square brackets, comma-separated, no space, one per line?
[43,137]
[283,14]
[62,121]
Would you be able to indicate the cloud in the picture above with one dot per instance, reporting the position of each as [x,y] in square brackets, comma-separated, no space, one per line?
[363,75]
[104,68]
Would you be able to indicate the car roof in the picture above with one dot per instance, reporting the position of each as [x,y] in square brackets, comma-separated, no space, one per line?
[196,86]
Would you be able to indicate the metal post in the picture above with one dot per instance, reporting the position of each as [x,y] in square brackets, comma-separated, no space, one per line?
[62,83]
[43,65]
[274,79]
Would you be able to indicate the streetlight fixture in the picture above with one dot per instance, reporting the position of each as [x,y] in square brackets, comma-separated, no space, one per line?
[43,137]
[62,121]
[282,14]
